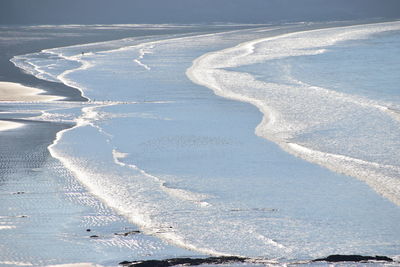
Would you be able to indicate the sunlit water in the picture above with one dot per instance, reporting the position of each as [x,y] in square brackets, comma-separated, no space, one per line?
[311,168]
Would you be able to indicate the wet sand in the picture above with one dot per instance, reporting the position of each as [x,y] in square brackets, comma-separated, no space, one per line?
[19,40]
[46,216]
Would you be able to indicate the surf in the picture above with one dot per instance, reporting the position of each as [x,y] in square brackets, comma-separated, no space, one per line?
[294,110]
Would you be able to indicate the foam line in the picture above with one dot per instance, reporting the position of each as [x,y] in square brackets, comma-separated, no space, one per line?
[7,227]
[196,198]
[281,103]
[142,52]
[144,198]
[134,214]
[386,184]
[83,264]
[99,186]
[84,65]
[16,263]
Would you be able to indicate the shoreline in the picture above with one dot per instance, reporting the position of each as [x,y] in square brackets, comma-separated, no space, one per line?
[33,205]
[17,189]
[201,66]
[48,218]
[91,264]
[84,175]
[35,38]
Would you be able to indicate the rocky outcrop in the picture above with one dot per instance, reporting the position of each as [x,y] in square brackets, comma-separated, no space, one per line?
[355,258]
[184,261]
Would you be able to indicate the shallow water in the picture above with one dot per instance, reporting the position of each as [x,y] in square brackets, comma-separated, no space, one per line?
[185,165]
[45,211]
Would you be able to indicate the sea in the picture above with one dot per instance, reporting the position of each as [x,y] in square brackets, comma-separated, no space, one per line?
[275,142]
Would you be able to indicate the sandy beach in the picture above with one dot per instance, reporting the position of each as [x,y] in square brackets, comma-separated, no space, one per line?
[8,125]
[17,92]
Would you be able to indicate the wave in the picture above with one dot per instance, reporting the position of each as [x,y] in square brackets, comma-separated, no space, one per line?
[57,64]
[308,121]
[102,158]
[176,215]
[143,52]
[197,198]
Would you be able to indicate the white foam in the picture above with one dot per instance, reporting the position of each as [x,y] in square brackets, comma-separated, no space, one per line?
[193,219]
[83,264]
[182,194]
[7,227]
[52,64]
[62,77]
[29,68]
[54,117]
[16,263]
[173,214]
[142,52]
[384,182]
[294,108]
[104,185]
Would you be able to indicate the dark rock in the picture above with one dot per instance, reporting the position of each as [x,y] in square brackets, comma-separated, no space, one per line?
[355,258]
[94,236]
[128,233]
[88,230]
[19,193]
[383,258]
[184,261]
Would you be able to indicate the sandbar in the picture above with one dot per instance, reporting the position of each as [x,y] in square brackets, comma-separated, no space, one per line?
[10,91]
[9,125]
